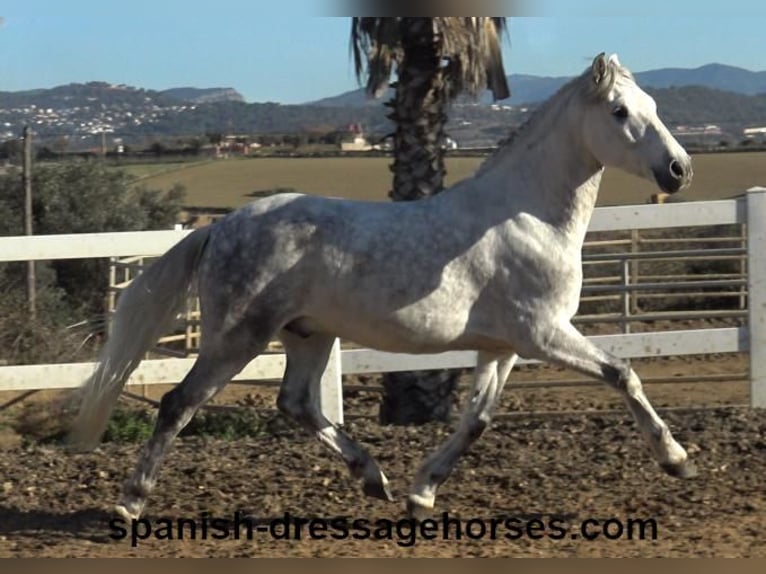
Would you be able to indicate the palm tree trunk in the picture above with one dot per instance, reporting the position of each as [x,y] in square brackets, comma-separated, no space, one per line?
[419,115]
[418,111]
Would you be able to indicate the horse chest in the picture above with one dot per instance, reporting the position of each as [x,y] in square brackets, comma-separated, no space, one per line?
[536,259]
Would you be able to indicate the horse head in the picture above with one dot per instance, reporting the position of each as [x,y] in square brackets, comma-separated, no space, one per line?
[622,128]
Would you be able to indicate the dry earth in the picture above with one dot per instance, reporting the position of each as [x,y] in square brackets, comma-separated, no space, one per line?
[559,470]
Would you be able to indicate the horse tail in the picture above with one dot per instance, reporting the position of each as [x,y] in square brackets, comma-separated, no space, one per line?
[144,309]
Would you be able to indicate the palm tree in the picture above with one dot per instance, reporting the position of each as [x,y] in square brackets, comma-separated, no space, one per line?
[436,59]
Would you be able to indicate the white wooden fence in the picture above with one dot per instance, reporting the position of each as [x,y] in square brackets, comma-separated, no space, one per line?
[749,209]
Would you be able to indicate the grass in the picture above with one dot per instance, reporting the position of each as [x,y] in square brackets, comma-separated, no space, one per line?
[234,182]
[136,425]
[148,170]
[130,425]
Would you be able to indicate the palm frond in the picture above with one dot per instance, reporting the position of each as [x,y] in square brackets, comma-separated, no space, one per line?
[376,48]
[470,46]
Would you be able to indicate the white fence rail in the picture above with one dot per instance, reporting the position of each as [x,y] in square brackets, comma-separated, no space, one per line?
[749,210]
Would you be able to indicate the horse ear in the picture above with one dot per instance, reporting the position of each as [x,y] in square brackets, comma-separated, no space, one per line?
[598,69]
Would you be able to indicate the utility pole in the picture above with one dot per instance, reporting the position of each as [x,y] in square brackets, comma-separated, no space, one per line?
[27,181]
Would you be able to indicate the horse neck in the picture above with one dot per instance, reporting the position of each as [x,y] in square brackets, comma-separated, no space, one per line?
[548,173]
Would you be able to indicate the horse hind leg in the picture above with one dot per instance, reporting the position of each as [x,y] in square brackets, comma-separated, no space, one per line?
[489,379]
[299,399]
[213,369]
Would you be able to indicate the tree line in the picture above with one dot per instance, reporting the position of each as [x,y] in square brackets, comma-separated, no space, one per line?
[72,197]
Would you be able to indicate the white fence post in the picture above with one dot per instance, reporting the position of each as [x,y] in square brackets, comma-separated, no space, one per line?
[756,293]
[331,387]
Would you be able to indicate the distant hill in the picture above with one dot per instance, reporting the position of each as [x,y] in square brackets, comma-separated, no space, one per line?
[696,105]
[353,99]
[83,95]
[717,76]
[203,95]
[526,89]
[75,116]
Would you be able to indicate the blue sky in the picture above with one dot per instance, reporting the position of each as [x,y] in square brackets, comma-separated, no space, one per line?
[283,51]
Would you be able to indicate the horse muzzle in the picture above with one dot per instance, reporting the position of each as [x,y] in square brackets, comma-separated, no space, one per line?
[674,175]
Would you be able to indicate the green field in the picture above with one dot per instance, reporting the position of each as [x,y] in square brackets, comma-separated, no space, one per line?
[148,170]
[232,182]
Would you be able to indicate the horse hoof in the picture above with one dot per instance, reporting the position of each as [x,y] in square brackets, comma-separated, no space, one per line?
[379,490]
[128,512]
[417,510]
[685,469]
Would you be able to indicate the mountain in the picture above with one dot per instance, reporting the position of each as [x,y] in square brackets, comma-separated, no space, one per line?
[203,95]
[353,99]
[76,116]
[80,111]
[83,95]
[698,105]
[717,76]
[527,89]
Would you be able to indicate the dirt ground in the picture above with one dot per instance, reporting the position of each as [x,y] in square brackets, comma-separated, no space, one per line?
[546,473]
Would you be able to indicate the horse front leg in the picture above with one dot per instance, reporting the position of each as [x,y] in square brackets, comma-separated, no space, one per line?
[490,376]
[568,347]
[299,399]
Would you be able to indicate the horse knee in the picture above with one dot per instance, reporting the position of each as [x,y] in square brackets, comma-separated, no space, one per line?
[618,375]
[477,428]
[175,412]
[171,405]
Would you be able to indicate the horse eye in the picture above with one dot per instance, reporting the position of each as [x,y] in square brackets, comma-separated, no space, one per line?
[620,112]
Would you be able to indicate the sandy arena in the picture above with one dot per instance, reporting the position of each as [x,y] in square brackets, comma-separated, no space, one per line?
[559,470]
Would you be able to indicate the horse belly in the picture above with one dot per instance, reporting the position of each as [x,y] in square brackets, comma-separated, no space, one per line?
[413,329]
[438,324]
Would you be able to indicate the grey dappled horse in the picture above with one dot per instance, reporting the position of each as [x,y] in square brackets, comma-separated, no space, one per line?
[491,264]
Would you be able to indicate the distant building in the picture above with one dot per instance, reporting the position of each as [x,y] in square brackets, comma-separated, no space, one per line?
[357,141]
[234,145]
[755,133]
[707,130]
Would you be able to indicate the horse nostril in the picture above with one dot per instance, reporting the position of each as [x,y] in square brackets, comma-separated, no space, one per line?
[676,169]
